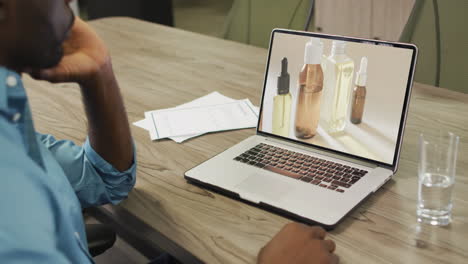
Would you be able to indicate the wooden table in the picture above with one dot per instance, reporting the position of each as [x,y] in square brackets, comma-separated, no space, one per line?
[160,67]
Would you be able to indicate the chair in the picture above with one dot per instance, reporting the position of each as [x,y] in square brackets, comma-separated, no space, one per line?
[100,238]
[438,28]
[251,21]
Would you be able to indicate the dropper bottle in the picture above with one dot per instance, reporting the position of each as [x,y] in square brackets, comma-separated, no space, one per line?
[359,93]
[282,103]
[310,91]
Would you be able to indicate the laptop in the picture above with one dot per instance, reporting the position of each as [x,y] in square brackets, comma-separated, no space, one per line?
[330,131]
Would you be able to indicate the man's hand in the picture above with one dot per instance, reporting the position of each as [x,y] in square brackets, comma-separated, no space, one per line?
[85,58]
[298,243]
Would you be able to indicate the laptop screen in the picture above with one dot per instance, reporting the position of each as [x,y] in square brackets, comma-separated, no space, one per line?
[341,94]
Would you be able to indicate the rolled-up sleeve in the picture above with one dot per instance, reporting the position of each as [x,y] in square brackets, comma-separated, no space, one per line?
[94,180]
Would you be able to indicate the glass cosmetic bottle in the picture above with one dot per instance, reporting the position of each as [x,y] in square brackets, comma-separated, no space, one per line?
[282,103]
[339,71]
[359,93]
[310,91]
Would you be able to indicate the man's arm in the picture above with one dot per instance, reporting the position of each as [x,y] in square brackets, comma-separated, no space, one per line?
[87,62]
[103,170]
[108,129]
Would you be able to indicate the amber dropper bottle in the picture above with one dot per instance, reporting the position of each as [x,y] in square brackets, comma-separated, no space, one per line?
[310,91]
[359,93]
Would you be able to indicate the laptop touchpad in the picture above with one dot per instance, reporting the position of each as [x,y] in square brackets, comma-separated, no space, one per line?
[264,187]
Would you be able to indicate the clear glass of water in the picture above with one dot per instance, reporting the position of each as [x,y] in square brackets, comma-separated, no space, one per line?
[437,168]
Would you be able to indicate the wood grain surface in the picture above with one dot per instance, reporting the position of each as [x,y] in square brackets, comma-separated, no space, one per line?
[160,67]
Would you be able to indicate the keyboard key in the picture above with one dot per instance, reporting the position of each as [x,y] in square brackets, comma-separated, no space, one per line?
[332,187]
[340,190]
[282,172]
[342,184]
[323,185]
[306,179]
[260,165]
[345,180]
[316,182]
[238,158]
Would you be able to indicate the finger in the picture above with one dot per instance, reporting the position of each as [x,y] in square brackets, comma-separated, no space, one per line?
[54,75]
[318,232]
[334,259]
[329,245]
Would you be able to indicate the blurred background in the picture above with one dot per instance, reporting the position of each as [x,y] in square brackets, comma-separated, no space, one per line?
[438,27]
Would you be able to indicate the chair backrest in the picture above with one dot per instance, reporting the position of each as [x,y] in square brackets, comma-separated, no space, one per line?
[251,21]
[421,30]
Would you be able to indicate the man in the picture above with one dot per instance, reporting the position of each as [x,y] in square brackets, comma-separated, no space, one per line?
[45,182]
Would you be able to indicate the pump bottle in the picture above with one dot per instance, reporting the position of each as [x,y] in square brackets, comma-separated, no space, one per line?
[339,71]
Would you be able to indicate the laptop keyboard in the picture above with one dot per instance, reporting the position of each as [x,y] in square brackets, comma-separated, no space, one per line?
[323,173]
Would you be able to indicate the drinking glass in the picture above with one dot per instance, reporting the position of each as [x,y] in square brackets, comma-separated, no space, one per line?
[437,168]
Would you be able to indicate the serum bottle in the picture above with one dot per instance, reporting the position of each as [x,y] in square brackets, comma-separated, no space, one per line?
[339,71]
[310,91]
[359,93]
[282,103]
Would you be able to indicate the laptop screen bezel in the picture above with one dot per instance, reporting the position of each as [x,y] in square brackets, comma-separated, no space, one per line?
[404,112]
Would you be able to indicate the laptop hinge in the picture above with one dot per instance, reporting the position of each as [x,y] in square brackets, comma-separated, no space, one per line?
[325,153]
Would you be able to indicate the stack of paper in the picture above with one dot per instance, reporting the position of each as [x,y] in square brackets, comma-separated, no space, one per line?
[211,113]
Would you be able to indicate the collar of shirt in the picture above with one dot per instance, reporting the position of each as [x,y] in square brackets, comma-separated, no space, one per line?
[12,94]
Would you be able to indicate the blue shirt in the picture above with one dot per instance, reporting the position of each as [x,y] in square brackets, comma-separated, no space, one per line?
[45,183]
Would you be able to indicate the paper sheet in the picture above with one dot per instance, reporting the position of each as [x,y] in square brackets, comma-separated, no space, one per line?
[210,99]
[201,119]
